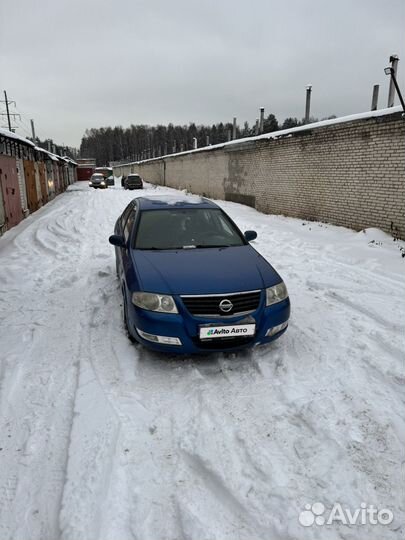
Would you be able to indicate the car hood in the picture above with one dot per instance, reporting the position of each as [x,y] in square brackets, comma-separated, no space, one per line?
[203,271]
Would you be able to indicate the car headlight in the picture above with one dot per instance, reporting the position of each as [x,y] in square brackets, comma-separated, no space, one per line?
[102,183]
[90,183]
[276,294]
[154,302]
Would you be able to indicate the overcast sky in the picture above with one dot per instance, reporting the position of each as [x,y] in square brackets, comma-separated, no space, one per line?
[77,64]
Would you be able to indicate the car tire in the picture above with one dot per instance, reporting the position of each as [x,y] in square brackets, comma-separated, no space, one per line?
[125,316]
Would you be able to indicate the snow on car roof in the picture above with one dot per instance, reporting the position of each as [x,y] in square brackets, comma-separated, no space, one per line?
[155,202]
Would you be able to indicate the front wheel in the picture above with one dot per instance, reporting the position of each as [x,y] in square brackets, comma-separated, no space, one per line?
[125,317]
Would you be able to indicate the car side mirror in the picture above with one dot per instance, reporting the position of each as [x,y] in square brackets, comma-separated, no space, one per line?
[117,240]
[250,235]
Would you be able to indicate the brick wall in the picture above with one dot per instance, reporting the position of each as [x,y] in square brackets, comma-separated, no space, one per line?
[350,173]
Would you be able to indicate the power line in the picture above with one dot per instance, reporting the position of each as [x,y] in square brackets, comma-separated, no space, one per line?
[23,128]
[23,122]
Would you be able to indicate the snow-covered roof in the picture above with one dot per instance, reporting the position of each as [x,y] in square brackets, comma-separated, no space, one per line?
[50,154]
[280,133]
[10,135]
[69,160]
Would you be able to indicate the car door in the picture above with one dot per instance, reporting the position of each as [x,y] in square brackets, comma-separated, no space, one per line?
[125,251]
[119,230]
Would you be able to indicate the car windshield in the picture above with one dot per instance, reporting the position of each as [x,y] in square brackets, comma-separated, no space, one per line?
[186,229]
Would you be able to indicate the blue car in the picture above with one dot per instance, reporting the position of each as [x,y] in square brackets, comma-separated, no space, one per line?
[190,280]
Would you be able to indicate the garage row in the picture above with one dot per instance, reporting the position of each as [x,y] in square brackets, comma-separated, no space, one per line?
[30,176]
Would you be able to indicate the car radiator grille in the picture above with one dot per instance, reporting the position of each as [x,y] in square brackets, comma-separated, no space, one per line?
[209,305]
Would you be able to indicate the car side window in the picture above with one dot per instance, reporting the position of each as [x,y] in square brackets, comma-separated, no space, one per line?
[125,215]
[129,224]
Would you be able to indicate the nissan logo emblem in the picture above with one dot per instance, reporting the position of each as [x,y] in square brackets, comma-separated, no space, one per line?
[225,305]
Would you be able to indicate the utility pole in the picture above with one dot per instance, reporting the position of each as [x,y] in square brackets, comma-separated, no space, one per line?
[391,72]
[8,113]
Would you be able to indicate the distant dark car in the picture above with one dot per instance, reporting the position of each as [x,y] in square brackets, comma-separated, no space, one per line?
[110,180]
[133,181]
[97,180]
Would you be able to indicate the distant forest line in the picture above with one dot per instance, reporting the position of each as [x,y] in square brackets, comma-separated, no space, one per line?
[139,142]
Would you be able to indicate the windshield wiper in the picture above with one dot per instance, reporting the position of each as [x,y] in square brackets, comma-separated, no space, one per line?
[191,246]
[153,248]
[212,245]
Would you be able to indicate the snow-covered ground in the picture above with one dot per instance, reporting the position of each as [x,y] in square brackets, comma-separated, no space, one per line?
[103,440]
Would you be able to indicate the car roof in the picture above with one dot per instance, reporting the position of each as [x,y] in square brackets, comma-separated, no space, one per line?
[165,202]
[97,174]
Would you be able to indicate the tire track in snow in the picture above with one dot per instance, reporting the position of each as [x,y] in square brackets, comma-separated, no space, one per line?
[97,426]
[38,407]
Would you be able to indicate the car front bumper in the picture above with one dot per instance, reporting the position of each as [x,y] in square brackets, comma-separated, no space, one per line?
[185,327]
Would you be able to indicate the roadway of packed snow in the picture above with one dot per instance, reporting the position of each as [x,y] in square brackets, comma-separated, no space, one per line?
[103,440]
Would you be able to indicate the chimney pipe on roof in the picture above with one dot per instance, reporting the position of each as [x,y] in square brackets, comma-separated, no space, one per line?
[374,100]
[391,92]
[234,128]
[308,104]
[261,124]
